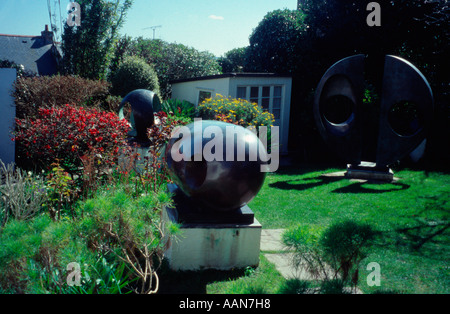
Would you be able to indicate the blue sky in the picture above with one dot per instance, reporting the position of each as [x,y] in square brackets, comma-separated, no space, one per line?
[213,25]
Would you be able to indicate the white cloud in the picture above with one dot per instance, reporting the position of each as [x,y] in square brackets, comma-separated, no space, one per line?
[216,17]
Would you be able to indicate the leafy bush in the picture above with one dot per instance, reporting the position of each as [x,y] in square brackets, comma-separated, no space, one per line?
[116,240]
[332,255]
[179,108]
[68,133]
[171,61]
[236,111]
[22,194]
[344,247]
[30,249]
[53,91]
[134,73]
[128,229]
[234,60]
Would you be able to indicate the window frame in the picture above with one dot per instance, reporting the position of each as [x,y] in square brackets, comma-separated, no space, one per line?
[259,99]
[199,98]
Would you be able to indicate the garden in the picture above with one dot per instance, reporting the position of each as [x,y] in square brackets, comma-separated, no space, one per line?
[77,216]
[70,205]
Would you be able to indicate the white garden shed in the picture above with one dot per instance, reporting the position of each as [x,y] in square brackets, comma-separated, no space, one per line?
[271,91]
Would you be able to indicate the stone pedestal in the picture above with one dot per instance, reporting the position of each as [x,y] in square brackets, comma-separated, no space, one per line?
[368,171]
[208,243]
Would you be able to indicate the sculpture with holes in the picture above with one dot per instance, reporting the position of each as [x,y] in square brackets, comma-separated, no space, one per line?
[372,137]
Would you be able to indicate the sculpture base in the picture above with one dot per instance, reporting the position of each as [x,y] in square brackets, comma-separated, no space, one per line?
[210,240]
[211,246]
[369,171]
[190,213]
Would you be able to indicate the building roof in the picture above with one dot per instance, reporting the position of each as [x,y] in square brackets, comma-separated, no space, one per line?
[225,75]
[35,53]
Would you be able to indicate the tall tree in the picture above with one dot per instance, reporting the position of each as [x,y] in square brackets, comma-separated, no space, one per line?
[234,60]
[306,44]
[88,48]
[275,41]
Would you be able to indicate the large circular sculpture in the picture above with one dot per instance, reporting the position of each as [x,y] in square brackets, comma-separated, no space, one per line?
[217,164]
[358,133]
[143,103]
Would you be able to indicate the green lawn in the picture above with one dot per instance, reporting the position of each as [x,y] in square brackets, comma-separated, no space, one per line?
[411,214]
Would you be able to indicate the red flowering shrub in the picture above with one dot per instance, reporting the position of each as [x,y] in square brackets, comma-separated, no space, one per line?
[67,134]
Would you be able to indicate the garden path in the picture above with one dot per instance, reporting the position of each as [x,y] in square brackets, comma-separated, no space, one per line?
[276,252]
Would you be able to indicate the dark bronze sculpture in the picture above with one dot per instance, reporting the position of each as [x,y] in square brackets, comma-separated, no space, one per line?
[143,103]
[217,165]
[400,85]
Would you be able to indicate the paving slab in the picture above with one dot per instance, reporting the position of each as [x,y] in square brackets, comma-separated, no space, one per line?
[283,263]
[271,240]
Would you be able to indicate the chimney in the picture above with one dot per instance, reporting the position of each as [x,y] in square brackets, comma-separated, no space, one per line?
[47,36]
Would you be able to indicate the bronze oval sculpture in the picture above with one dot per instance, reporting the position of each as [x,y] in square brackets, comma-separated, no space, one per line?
[143,103]
[221,172]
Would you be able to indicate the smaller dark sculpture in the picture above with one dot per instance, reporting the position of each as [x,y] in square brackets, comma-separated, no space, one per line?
[222,185]
[143,104]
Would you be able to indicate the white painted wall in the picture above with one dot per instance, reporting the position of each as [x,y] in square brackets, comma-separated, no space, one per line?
[7,115]
[190,90]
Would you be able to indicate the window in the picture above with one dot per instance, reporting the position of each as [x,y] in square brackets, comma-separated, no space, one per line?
[276,105]
[202,95]
[269,97]
[241,92]
[254,93]
[265,98]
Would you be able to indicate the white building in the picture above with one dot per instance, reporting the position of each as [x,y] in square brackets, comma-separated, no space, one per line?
[271,91]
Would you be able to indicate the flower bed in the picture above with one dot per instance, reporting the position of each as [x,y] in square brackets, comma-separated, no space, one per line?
[236,111]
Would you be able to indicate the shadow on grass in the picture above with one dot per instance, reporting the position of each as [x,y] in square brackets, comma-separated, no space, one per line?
[374,187]
[428,226]
[424,232]
[306,183]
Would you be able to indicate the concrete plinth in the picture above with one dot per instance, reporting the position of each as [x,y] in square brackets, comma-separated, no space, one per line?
[212,245]
[369,171]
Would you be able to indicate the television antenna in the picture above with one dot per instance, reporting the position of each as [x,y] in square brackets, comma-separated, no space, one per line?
[153,28]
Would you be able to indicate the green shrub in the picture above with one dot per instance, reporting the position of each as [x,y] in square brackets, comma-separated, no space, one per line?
[344,246]
[171,61]
[116,240]
[333,254]
[134,73]
[179,108]
[296,286]
[129,230]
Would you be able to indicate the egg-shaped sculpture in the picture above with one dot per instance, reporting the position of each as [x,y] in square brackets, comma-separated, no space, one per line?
[143,103]
[217,164]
